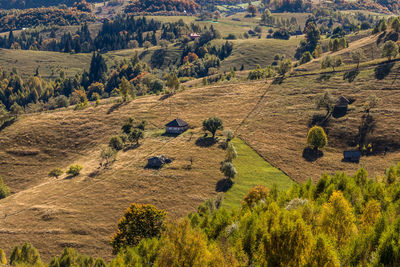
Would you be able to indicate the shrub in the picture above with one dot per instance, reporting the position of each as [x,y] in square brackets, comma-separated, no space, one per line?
[3,259]
[61,101]
[116,143]
[307,57]
[74,170]
[4,190]
[255,194]
[56,173]
[108,155]
[317,138]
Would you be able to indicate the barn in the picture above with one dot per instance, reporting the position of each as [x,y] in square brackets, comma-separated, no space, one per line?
[176,126]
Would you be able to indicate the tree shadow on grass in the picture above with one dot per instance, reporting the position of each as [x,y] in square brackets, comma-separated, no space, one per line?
[205,141]
[174,135]
[223,185]
[311,155]
[116,107]
[350,76]
[166,96]
[324,77]
[8,123]
[70,176]
[130,147]
[383,70]
[278,80]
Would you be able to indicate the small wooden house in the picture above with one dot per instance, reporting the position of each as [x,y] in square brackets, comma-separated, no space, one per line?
[176,126]
[352,156]
[193,36]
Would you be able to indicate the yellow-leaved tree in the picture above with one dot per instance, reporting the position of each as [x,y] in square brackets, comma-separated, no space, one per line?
[337,218]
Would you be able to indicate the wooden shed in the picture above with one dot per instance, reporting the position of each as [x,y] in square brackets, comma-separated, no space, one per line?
[352,156]
[342,102]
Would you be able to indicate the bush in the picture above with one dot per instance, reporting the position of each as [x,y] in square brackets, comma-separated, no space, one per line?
[255,194]
[74,170]
[3,259]
[61,101]
[56,173]
[116,143]
[4,190]
[307,57]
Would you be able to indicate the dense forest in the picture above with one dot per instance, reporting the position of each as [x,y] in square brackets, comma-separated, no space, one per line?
[23,4]
[162,6]
[19,19]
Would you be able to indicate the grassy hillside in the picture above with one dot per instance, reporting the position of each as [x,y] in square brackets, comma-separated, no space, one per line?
[50,63]
[253,52]
[57,210]
[281,120]
[252,170]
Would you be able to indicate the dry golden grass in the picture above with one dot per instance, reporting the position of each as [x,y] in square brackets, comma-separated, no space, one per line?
[278,127]
[83,212]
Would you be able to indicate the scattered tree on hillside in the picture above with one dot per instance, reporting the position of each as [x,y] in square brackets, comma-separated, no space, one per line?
[357,55]
[284,66]
[329,62]
[213,125]
[326,102]
[107,156]
[252,9]
[228,170]
[317,138]
[140,221]
[172,82]
[390,50]
[125,89]
[136,135]
[56,173]
[231,153]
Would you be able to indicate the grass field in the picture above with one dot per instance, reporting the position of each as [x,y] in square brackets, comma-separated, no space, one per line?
[57,210]
[50,63]
[253,52]
[252,170]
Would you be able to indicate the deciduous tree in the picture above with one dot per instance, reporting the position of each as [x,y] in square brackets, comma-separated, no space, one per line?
[140,221]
